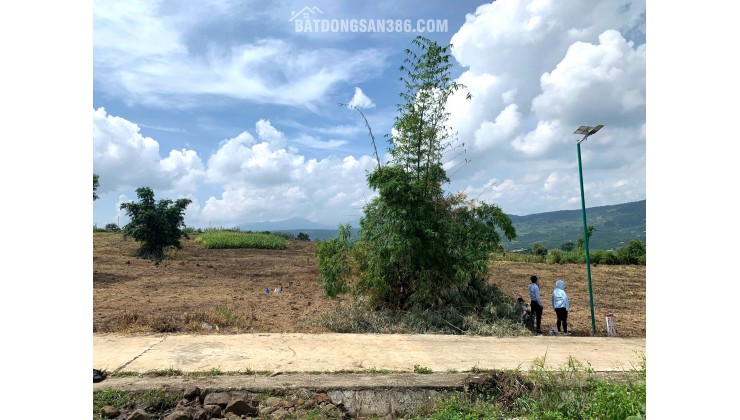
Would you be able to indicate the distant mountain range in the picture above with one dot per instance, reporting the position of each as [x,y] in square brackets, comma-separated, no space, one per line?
[296,223]
[614,226]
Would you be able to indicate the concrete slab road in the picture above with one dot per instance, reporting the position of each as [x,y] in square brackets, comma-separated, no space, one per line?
[357,352]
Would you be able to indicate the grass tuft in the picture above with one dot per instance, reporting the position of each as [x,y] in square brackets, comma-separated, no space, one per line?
[422,369]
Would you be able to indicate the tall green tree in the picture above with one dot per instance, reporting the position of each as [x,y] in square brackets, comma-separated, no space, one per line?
[424,249]
[155,224]
[590,231]
[96,184]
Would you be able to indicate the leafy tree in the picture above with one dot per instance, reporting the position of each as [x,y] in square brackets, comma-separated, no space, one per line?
[633,253]
[96,184]
[302,236]
[112,227]
[421,248]
[155,225]
[539,249]
[568,246]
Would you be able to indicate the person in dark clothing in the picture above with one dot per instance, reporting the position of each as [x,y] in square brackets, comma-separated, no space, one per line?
[536,303]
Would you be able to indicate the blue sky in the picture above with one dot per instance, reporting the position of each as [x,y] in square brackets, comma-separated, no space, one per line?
[50,83]
[228,104]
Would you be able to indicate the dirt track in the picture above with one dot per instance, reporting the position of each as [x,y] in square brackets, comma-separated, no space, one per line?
[196,285]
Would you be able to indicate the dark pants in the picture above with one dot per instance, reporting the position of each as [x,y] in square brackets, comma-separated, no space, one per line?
[537,312]
[562,314]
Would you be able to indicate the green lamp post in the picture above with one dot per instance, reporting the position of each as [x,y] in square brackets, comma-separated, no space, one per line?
[586,131]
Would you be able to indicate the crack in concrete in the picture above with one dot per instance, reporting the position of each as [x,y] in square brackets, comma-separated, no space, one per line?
[142,353]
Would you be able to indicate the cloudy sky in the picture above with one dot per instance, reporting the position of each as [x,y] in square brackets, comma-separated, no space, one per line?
[179,89]
[234,105]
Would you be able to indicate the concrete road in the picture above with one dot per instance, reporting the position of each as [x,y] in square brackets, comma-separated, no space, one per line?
[357,352]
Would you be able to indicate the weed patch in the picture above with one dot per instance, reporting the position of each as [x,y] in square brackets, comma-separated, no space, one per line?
[572,392]
[153,400]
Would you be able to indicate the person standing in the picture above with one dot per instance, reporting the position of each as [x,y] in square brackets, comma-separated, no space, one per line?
[535,303]
[561,305]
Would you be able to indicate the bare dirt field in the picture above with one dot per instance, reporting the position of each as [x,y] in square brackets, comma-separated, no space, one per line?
[199,290]
[617,289]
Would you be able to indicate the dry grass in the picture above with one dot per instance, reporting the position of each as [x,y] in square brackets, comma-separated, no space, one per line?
[199,290]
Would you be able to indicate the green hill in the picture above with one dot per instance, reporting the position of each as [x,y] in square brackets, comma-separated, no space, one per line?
[614,227]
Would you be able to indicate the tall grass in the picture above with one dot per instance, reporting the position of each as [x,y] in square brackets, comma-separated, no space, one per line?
[227,239]
[572,392]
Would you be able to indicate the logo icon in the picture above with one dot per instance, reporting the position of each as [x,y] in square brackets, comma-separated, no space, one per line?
[304,13]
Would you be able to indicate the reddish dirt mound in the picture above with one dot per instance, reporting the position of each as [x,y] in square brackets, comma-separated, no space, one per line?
[196,289]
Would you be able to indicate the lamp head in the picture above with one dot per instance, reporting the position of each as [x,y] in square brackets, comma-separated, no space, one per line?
[586,131]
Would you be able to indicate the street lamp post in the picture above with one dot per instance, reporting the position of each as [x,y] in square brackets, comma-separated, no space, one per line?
[586,131]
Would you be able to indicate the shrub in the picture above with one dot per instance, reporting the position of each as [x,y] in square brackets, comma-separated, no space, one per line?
[568,246]
[555,257]
[112,227]
[334,259]
[602,256]
[633,253]
[539,249]
[191,231]
[285,235]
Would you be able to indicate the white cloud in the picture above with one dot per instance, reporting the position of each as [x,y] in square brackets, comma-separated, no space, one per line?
[259,178]
[323,190]
[555,179]
[360,100]
[603,82]
[489,134]
[144,52]
[539,140]
[124,158]
[268,133]
[261,181]
[315,143]
[537,70]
